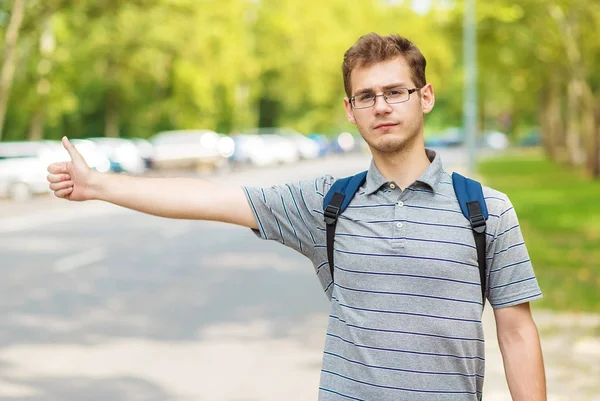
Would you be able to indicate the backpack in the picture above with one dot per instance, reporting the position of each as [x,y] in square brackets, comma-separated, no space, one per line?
[469,194]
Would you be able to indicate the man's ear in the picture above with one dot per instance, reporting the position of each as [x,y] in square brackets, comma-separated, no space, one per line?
[427,98]
[349,111]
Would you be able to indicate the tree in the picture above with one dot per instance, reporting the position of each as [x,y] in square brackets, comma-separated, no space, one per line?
[10,57]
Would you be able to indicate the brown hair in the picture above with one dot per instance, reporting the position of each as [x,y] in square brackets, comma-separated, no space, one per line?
[373,48]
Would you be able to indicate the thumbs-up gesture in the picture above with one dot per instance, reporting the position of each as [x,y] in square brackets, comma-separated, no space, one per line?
[71,180]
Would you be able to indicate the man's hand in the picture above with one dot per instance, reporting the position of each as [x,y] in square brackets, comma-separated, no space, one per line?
[71,180]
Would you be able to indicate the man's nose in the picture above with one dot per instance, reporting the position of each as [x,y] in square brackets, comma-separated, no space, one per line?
[381,106]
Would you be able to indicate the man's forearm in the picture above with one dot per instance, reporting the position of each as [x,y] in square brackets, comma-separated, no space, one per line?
[179,198]
[523,364]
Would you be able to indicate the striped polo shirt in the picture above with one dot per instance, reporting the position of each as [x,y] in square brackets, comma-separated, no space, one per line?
[405,318]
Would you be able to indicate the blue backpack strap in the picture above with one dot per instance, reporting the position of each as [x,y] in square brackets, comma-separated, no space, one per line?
[472,204]
[468,190]
[335,202]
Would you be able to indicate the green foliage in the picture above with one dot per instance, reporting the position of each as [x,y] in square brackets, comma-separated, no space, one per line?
[149,65]
[559,215]
[136,67]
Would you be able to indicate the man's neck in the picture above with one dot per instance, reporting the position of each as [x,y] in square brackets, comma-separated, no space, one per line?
[403,167]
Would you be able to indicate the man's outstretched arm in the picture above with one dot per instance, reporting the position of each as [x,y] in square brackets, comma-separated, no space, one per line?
[179,198]
[522,353]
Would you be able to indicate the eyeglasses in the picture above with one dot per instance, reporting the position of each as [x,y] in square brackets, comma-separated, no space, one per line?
[391,96]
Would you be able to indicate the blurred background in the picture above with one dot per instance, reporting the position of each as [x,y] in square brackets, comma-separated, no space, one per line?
[100,303]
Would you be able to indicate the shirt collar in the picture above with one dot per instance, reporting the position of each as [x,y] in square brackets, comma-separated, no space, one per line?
[430,177]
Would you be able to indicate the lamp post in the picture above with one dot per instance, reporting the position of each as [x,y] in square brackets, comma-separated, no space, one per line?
[470,86]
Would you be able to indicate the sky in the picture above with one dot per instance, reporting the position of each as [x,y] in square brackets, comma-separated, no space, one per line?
[423,6]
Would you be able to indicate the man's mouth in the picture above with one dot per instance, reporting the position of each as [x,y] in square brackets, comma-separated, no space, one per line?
[385,125]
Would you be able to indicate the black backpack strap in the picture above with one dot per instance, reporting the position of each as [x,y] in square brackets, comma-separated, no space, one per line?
[472,204]
[478,226]
[332,211]
[334,203]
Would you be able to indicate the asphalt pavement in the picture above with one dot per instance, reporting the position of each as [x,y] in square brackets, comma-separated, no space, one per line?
[102,303]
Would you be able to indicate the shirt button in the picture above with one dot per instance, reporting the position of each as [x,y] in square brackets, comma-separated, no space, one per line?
[399,225]
[392,186]
[400,203]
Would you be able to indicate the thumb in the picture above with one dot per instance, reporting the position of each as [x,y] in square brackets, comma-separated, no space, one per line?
[73,152]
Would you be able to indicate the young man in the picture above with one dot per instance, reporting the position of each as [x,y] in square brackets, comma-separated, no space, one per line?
[405,320]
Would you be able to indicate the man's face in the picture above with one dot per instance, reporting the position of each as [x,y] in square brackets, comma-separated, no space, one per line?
[389,128]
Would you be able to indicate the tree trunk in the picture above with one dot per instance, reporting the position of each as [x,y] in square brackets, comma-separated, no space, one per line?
[588,126]
[36,130]
[574,123]
[570,27]
[47,45]
[552,125]
[545,123]
[111,128]
[10,57]
[543,116]
[594,164]
[111,102]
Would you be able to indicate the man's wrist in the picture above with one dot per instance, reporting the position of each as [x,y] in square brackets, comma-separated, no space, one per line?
[95,185]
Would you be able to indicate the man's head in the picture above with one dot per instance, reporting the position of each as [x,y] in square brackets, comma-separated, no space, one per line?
[386,70]
[372,49]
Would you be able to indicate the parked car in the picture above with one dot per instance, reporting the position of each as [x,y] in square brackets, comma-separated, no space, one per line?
[450,137]
[21,178]
[251,150]
[531,139]
[146,151]
[225,146]
[306,147]
[495,140]
[265,146]
[123,154]
[293,144]
[22,170]
[344,142]
[282,148]
[198,149]
[322,143]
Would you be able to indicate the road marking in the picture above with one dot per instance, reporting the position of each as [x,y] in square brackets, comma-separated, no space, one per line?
[78,260]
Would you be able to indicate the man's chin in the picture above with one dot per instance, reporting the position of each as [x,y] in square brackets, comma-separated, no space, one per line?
[389,145]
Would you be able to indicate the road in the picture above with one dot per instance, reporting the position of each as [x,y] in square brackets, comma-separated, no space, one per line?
[102,303]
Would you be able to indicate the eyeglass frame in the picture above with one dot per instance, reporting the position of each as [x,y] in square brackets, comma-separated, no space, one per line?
[410,92]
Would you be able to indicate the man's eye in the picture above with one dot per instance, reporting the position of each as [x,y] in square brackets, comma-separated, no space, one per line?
[366,96]
[395,92]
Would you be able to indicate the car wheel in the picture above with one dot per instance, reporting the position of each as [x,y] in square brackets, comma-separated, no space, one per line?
[19,192]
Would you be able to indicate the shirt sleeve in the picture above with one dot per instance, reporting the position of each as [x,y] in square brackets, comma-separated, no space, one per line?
[511,277]
[291,214]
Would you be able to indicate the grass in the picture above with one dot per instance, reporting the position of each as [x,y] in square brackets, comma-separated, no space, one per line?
[559,212]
